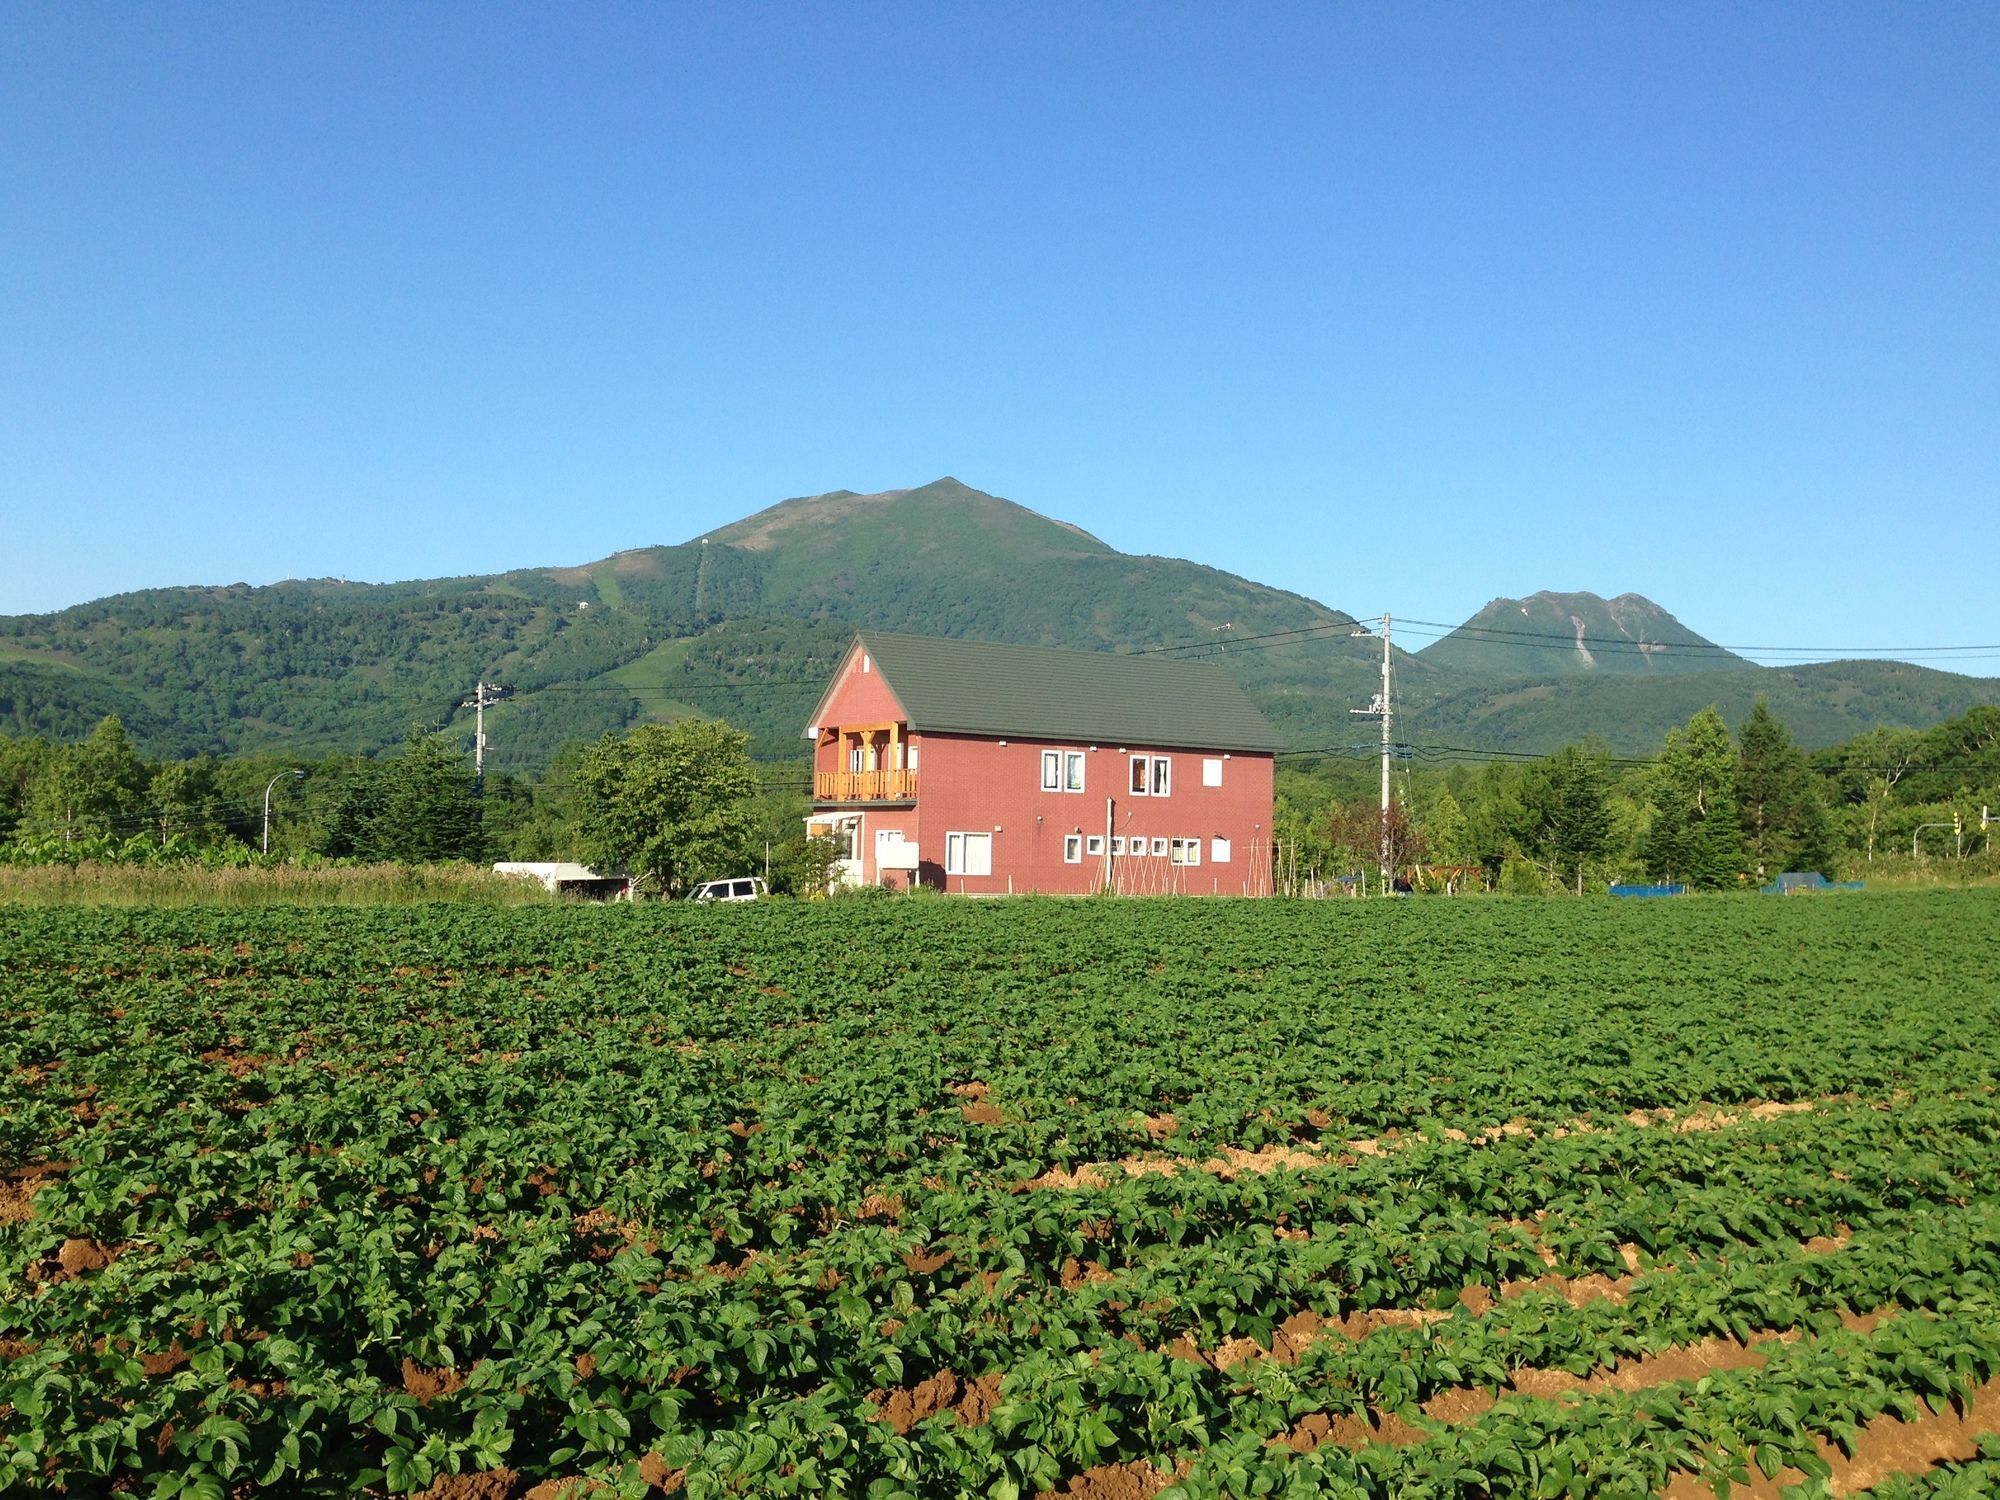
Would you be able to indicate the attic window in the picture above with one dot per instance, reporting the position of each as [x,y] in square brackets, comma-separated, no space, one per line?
[865,665]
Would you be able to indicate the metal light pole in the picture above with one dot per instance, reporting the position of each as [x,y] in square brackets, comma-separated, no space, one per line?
[296,775]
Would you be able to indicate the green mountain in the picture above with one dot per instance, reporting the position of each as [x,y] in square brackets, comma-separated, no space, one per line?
[1571,635]
[1821,704]
[746,623]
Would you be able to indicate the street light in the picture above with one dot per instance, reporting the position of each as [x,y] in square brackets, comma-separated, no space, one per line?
[295,775]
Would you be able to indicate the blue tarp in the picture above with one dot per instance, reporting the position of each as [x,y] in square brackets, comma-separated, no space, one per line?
[1794,881]
[1676,889]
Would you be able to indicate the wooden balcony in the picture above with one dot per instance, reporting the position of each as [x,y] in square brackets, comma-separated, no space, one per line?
[864,786]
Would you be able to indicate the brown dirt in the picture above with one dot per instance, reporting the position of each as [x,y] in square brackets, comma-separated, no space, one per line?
[981,1114]
[974,1090]
[1349,1430]
[903,1407]
[238,1064]
[586,1365]
[1886,1446]
[493,1484]
[80,1256]
[1076,1273]
[17,1196]
[924,1262]
[17,1348]
[1138,1480]
[164,1364]
[653,1469]
[975,1406]
[575,1487]
[605,1232]
[1235,1161]
[426,1384]
[880,1206]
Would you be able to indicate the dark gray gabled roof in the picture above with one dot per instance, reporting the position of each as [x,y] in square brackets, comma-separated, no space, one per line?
[1084,697]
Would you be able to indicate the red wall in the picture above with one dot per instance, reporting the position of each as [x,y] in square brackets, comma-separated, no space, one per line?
[969,785]
[860,698]
[972,785]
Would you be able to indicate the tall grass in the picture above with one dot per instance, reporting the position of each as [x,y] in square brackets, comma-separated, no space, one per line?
[90,884]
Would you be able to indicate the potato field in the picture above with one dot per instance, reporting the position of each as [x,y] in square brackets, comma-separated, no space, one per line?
[937,1198]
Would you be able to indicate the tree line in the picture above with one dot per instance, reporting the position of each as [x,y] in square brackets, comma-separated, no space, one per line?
[680,802]
[671,804]
[1712,810]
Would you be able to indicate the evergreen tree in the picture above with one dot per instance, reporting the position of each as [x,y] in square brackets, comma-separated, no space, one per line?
[429,805]
[1565,799]
[1785,825]
[1697,834]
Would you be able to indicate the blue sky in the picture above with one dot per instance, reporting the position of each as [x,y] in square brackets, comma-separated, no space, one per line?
[1401,307]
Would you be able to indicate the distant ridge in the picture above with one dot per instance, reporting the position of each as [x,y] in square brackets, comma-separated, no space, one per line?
[745,622]
[1552,635]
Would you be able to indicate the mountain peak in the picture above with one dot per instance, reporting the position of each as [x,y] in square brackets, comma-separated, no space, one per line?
[1557,634]
[912,512]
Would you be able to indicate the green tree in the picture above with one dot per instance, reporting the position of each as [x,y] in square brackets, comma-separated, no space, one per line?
[96,787]
[21,761]
[1785,824]
[1447,832]
[669,803]
[429,805]
[1696,834]
[183,797]
[1566,802]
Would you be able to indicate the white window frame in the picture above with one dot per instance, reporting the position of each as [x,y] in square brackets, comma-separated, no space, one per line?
[1051,770]
[1117,845]
[1072,848]
[1093,846]
[957,846]
[1163,776]
[1218,850]
[1142,777]
[1073,773]
[1184,851]
[1211,770]
[909,755]
[1159,848]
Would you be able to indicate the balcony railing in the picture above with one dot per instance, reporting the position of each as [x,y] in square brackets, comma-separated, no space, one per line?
[864,786]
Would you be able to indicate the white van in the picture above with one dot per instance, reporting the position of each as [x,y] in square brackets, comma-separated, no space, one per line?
[742,888]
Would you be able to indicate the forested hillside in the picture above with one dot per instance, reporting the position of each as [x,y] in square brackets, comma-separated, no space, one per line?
[745,623]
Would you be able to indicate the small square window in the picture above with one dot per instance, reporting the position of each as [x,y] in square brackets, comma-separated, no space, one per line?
[1159,848]
[1211,770]
[1117,844]
[1094,846]
[1072,848]
[1218,851]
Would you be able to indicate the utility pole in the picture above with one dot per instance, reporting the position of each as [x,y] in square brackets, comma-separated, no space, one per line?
[1382,709]
[483,694]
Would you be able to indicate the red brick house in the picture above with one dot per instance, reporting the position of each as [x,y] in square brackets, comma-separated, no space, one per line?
[985,769]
